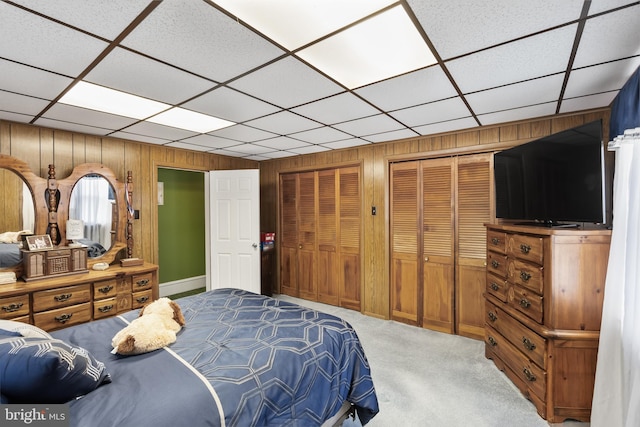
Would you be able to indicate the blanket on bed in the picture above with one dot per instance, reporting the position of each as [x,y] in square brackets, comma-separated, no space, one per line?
[241,360]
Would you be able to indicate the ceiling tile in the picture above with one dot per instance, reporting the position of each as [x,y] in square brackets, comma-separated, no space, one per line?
[459,27]
[15,117]
[72,127]
[21,104]
[187,146]
[282,143]
[277,154]
[546,89]
[419,87]
[242,133]
[159,131]
[346,143]
[320,135]
[287,83]
[391,136]
[587,102]
[283,123]
[138,137]
[609,37]
[71,114]
[250,149]
[128,72]
[448,126]
[31,81]
[536,56]
[104,18]
[518,114]
[439,111]
[600,78]
[210,141]
[337,108]
[201,39]
[230,105]
[309,149]
[604,5]
[369,125]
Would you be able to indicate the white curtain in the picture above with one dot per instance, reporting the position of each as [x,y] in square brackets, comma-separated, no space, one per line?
[616,397]
[90,203]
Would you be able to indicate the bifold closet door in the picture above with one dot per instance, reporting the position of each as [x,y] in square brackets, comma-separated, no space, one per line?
[350,224]
[288,234]
[327,237]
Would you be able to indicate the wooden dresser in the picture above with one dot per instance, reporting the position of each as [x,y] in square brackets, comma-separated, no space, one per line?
[58,302]
[544,297]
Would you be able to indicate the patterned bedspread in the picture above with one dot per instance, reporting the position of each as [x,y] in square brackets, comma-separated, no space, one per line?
[244,360]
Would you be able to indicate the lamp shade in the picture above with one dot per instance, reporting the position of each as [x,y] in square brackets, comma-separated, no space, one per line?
[75,229]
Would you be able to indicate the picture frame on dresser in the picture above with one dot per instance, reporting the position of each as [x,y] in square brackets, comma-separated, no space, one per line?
[35,243]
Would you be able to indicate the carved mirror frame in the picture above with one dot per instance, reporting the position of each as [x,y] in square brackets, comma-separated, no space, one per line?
[51,205]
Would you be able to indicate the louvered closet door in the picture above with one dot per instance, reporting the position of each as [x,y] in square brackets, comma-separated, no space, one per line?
[473,211]
[405,214]
[307,240]
[328,271]
[349,237]
[288,235]
[438,244]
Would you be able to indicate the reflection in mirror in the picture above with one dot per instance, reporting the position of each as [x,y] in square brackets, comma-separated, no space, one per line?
[17,217]
[93,202]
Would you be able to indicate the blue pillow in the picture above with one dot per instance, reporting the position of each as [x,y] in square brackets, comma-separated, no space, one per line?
[4,334]
[47,370]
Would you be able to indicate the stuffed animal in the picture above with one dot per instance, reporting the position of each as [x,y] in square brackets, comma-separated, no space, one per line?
[155,327]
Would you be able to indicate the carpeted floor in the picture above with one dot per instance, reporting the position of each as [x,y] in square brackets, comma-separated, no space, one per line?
[430,379]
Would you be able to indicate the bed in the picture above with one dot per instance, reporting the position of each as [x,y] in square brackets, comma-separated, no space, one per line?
[241,359]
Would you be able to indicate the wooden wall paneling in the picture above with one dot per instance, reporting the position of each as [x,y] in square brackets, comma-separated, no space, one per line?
[93,149]
[25,141]
[47,151]
[5,138]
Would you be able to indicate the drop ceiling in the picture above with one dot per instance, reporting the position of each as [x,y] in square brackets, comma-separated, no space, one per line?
[255,65]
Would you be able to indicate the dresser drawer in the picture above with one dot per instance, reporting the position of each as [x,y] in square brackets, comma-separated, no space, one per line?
[105,289]
[530,374]
[497,263]
[105,308]
[141,298]
[524,339]
[12,307]
[61,297]
[526,274]
[497,241]
[63,317]
[497,286]
[526,302]
[529,248]
[142,282]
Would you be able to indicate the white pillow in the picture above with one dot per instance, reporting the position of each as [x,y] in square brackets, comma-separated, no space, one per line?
[24,329]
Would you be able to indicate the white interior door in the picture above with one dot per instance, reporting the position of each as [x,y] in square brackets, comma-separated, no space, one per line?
[233,246]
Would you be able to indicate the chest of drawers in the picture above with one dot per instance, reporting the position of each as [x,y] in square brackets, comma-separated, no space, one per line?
[543,306]
[57,302]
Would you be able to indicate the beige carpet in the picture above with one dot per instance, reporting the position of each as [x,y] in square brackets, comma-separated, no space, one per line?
[430,379]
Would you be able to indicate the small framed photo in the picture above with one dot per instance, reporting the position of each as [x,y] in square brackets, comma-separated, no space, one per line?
[37,243]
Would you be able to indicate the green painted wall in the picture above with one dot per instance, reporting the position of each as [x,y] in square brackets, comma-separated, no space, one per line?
[181,223]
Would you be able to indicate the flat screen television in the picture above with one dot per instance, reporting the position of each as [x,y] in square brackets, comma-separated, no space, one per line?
[558,180]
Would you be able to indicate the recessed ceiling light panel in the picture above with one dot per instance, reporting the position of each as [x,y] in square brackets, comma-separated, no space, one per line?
[100,98]
[381,47]
[189,120]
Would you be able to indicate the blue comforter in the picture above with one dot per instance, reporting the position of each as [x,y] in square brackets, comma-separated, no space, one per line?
[241,360]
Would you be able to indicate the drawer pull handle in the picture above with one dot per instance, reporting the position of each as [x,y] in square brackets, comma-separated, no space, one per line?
[142,299]
[524,303]
[64,318]
[495,240]
[105,289]
[62,297]
[143,282]
[495,286]
[525,248]
[492,341]
[526,342]
[492,316]
[12,307]
[105,309]
[494,263]
[527,373]
[525,276]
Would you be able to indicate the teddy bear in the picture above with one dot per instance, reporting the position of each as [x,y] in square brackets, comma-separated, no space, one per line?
[155,327]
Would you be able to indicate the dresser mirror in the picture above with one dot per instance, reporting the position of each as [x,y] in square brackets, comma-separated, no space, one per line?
[35,205]
[19,212]
[93,195]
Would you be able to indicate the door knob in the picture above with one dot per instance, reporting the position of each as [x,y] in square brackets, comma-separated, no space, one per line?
[255,245]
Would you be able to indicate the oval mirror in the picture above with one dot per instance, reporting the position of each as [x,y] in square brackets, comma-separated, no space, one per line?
[93,201]
[17,217]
